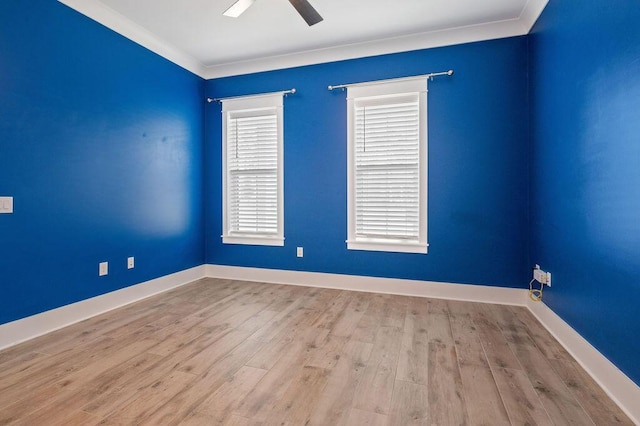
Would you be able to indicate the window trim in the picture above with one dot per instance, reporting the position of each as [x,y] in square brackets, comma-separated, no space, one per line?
[251,105]
[381,91]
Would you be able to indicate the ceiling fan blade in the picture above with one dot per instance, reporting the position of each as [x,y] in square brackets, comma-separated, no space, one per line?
[238,8]
[308,13]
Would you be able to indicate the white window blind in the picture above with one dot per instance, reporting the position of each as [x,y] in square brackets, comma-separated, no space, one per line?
[387,170]
[252,159]
[387,167]
[253,170]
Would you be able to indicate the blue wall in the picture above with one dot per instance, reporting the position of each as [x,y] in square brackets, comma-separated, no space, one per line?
[101,146]
[585,227]
[478,170]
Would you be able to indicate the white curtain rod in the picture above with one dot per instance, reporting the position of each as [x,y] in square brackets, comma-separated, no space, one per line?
[392,80]
[282,92]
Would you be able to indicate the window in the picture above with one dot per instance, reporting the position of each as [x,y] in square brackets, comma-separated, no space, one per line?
[387,166]
[252,135]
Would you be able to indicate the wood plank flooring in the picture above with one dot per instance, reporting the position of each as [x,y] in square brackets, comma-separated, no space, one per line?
[238,353]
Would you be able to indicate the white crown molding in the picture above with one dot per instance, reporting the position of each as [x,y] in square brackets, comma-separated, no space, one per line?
[403,287]
[134,32]
[426,40]
[489,31]
[531,12]
[28,328]
[620,388]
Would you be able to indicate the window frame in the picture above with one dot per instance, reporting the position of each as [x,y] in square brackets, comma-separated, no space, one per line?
[248,106]
[378,92]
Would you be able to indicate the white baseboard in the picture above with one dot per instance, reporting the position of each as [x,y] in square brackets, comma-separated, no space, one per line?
[27,328]
[614,382]
[403,287]
[622,390]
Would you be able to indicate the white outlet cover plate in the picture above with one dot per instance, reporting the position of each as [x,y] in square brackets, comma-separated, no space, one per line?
[103,269]
[6,205]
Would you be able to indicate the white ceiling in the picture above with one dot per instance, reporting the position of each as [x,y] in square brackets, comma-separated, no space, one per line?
[271,35]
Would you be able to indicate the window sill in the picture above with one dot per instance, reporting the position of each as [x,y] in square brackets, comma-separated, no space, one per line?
[394,247]
[254,241]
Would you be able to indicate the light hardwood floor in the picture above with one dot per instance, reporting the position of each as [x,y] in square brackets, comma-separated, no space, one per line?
[239,353]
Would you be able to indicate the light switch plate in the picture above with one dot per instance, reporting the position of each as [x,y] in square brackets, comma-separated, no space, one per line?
[6,205]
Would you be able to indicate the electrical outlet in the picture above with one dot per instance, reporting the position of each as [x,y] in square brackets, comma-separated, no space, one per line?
[131,262]
[6,205]
[103,269]
[300,252]
[542,276]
